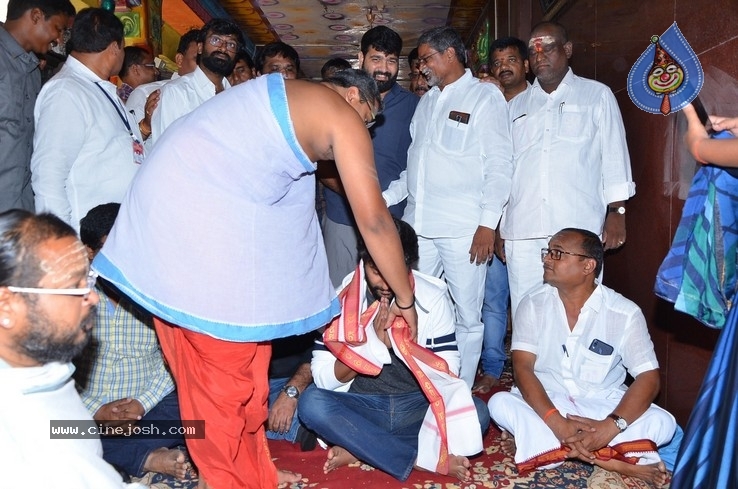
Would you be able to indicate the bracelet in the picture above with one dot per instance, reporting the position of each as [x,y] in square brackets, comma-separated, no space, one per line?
[412,304]
[696,148]
[144,134]
[549,413]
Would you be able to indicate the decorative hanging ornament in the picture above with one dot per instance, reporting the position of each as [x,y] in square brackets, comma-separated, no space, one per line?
[667,76]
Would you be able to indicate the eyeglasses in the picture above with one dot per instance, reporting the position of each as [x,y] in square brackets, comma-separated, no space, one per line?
[556,254]
[81,292]
[219,42]
[424,59]
[374,115]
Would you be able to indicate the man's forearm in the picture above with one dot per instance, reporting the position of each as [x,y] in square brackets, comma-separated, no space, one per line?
[302,377]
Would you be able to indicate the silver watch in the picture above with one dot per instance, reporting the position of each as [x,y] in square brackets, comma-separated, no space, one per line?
[619,422]
[291,391]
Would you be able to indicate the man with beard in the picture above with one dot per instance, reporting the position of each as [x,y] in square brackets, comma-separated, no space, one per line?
[47,304]
[459,167]
[418,83]
[377,390]
[380,57]
[219,41]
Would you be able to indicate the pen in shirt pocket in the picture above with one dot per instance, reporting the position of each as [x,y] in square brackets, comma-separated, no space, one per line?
[519,117]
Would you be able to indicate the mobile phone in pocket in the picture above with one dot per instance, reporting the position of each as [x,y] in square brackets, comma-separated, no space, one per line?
[600,347]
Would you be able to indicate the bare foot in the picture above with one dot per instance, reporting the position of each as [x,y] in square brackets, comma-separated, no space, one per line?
[287,477]
[485,384]
[338,457]
[654,474]
[458,466]
[168,461]
[507,443]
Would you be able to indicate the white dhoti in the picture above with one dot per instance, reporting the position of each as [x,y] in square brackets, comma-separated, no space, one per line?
[538,447]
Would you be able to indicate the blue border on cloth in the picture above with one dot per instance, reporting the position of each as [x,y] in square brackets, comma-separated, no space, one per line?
[216,329]
[281,110]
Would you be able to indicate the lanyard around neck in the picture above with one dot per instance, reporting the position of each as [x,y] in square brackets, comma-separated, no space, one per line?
[117,107]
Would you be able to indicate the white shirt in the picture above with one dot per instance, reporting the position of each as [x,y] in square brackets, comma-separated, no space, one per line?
[436,331]
[570,159]
[82,149]
[565,363]
[136,103]
[33,398]
[180,97]
[458,174]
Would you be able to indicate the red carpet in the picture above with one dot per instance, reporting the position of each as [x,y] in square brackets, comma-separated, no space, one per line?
[489,469]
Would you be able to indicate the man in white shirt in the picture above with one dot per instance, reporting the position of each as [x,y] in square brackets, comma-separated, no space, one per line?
[219,41]
[509,66]
[86,148]
[47,310]
[571,166]
[379,389]
[573,342]
[457,180]
[145,98]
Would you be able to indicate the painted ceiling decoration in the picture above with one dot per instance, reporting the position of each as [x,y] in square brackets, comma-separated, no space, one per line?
[322,29]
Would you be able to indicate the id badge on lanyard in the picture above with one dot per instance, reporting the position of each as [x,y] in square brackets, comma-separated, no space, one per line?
[139,153]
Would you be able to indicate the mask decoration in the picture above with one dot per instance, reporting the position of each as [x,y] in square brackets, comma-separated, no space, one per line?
[667,76]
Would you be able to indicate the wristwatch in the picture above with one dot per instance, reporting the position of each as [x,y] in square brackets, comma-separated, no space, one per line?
[619,422]
[291,391]
[620,209]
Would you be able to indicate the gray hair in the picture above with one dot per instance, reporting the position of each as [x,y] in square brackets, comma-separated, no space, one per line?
[442,38]
[362,81]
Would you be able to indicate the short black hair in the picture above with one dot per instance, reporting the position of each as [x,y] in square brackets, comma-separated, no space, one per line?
[412,56]
[16,8]
[383,39]
[242,54]
[223,27]
[97,224]
[133,55]
[193,35]
[510,42]
[333,65]
[591,246]
[442,38]
[362,81]
[21,233]
[274,49]
[93,31]
[408,239]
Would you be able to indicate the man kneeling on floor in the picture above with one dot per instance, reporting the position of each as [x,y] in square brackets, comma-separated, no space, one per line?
[394,403]
[573,342]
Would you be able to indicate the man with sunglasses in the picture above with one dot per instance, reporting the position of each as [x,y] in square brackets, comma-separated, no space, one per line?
[573,343]
[219,41]
[47,311]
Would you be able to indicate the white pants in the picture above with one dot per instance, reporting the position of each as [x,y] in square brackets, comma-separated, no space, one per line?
[449,258]
[532,437]
[524,268]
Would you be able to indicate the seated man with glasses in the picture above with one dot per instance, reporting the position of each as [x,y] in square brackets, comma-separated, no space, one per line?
[573,343]
[47,311]
[218,43]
